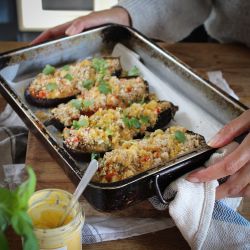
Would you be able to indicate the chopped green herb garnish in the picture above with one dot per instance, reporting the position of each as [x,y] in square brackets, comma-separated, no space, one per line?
[100,65]
[49,69]
[135,122]
[69,77]
[51,86]
[95,156]
[88,103]
[104,88]
[131,122]
[65,67]
[180,136]
[134,71]
[81,123]
[77,103]
[109,132]
[126,121]
[144,119]
[88,84]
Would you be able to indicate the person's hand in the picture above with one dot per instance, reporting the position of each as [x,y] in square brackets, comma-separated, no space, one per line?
[115,15]
[236,164]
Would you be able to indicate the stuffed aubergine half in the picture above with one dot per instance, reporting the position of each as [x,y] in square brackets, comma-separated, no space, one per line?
[107,129]
[154,150]
[116,92]
[54,86]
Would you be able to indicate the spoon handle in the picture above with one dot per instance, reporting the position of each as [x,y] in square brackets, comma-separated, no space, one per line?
[89,173]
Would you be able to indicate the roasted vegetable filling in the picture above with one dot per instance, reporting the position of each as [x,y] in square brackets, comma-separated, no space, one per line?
[107,129]
[70,80]
[154,150]
[106,94]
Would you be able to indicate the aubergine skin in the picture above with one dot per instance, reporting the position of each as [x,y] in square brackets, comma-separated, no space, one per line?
[44,102]
[56,123]
[164,118]
[77,154]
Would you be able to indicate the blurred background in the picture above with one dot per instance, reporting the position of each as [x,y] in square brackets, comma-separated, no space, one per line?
[23,20]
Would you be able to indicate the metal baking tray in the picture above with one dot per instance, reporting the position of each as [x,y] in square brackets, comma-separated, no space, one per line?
[203,107]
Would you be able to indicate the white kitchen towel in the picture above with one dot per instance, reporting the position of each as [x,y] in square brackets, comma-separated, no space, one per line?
[217,78]
[204,222]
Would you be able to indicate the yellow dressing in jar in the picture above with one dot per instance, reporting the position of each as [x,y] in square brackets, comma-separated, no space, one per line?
[46,208]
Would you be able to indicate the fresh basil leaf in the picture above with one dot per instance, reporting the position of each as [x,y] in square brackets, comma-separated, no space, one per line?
[4,218]
[77,103]
[134,71]
[104,88]
[20,222]
[3,241]
[26,189]
[30,241]
[95,156]
[88,103]
[69,77]
[65,67]
[13,206]
[6,200]
[49,70]
[180,136]
[22,225]
[144,119]
[88,84]
[51,86]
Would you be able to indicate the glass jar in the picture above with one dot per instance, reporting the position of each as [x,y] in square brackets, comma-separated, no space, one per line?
[46,208]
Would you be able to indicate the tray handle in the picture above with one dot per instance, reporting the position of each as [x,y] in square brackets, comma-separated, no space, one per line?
[158,191]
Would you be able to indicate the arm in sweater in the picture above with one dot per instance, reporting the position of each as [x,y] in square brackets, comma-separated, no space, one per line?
[169,20]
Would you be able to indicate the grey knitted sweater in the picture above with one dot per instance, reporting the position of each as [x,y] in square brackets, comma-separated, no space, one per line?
[173,20]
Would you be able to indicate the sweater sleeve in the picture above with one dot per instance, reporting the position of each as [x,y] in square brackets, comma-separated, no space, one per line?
[169,20]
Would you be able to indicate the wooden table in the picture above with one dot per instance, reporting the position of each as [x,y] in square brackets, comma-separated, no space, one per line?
[232,60]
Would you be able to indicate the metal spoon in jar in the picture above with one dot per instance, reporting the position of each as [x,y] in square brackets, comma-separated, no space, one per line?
[89,173]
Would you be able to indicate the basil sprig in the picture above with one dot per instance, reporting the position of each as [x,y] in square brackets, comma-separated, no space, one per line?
[13,212]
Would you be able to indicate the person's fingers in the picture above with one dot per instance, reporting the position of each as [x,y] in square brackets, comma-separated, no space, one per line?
[83,23]
[245,192]
[235,185]
[114,15]
[231,130]
[226,166]
[51,33]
